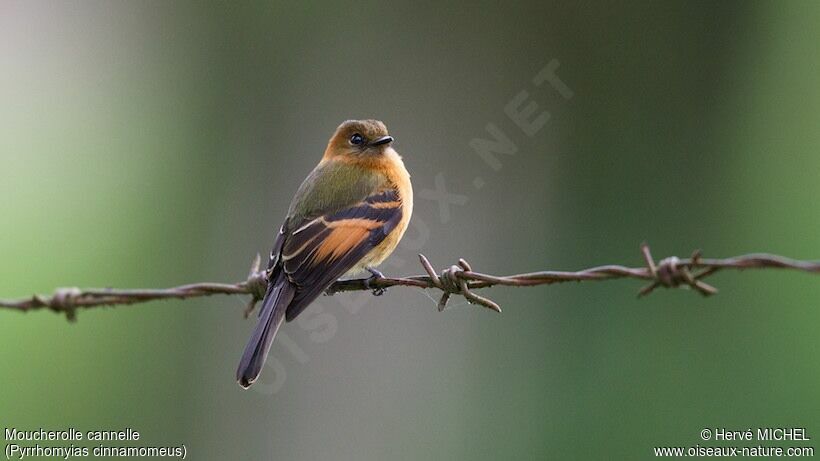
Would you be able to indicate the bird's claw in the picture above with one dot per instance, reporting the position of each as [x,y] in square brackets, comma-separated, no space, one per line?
[374,275]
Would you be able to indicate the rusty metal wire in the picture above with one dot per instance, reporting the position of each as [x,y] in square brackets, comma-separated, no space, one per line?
[460,279]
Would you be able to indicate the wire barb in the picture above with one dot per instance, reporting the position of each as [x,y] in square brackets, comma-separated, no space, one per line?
[257,284]
[459,279]
[672,273]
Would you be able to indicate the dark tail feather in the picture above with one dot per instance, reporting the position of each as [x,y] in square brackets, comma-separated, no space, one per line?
[271,315]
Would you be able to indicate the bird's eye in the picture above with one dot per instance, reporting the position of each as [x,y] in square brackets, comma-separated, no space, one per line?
[357,139]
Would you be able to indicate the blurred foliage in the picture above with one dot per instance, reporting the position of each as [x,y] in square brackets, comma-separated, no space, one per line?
[154,143]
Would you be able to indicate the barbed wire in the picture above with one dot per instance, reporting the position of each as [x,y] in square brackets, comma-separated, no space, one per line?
[458,279]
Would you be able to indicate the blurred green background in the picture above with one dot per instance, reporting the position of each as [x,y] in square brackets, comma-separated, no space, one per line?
[149,144]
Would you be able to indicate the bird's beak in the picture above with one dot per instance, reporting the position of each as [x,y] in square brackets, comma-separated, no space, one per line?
[381,141]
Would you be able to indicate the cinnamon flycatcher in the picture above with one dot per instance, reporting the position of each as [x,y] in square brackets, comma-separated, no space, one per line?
[348,215]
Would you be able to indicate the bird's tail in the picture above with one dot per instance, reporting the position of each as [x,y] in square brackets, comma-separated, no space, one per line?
[279,295]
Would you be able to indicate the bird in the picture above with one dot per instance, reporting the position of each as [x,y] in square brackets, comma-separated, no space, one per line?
[348,216]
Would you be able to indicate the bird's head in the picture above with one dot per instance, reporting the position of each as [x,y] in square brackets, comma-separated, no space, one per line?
[358,138]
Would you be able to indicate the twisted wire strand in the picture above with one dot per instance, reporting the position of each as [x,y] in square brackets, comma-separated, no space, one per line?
[458,279]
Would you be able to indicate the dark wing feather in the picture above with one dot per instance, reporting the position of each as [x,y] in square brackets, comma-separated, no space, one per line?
[316,252]
[306,258]
[277,250]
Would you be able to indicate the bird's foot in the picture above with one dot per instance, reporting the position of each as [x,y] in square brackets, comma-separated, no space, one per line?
[374,275]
